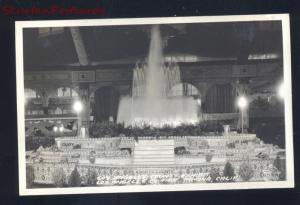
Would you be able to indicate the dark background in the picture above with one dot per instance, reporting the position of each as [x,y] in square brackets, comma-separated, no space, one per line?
[133,9]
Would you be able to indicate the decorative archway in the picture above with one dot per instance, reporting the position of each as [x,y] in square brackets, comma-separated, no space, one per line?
[30,93]
[66,92]
[183,89]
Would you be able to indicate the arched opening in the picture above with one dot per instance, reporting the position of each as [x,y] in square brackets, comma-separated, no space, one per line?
[66,92]
[30,107]
[58,111]
[30,93]
[220,99]
[183,89]
[59,101]
[106,104]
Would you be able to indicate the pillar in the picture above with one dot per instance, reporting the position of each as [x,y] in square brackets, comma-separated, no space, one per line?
[84,115]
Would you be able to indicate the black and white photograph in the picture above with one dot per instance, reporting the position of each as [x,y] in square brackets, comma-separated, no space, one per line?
[154,104]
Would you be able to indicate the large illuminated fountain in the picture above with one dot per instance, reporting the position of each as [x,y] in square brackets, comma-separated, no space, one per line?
[152,102]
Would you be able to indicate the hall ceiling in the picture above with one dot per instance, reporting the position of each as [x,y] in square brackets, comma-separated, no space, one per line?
[127,44]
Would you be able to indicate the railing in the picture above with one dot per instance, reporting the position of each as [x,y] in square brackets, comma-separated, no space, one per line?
[219,116]
[50,117]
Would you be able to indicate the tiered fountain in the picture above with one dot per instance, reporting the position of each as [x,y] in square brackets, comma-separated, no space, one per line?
[150,102]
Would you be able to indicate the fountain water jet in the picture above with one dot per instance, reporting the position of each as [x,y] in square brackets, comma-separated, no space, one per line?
[150,103]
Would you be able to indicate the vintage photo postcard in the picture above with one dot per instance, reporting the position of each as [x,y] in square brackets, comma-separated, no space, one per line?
[154,104]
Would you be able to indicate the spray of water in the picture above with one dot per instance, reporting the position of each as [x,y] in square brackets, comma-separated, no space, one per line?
[151,103]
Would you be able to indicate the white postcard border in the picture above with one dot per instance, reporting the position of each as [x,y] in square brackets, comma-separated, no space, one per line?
[289,183]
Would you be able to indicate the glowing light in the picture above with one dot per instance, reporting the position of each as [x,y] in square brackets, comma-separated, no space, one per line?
[55,129]
[242,102]
[77,106]
[281,91]
[61,128]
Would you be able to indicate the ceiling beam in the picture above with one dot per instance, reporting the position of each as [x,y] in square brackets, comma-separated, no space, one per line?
[79,46]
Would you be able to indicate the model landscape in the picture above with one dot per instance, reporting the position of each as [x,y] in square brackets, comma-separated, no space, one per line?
[149,143]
